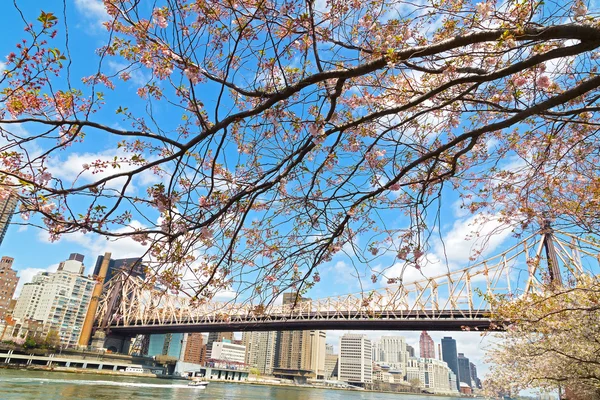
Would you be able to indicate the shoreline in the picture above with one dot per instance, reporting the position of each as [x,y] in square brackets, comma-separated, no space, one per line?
[82,371]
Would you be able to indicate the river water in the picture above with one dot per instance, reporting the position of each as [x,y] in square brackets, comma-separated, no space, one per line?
[15,384]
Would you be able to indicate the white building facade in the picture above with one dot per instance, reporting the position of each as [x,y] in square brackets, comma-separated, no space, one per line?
[391,351]
[230,352]
[59,300]
[432,374]
[355,365]
[29,299]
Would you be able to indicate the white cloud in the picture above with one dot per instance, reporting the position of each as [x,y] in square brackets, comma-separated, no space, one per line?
[92,9]
[472,235]
[71,169]
[95,245]
[27,274]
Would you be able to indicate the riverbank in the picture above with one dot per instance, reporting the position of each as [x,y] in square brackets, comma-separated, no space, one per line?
[80,371]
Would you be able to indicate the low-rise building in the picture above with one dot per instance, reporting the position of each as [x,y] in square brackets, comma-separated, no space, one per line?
[433,375]
[229,352]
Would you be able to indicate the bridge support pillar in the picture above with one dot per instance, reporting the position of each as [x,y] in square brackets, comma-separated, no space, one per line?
[114,343]
[117,344]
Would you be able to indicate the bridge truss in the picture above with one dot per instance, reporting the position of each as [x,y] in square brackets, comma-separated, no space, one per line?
[454,300]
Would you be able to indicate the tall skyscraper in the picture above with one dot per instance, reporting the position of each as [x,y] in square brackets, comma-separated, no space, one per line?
[464,370]
[7,210]
[8,284]
[410,351]
[133,266]
[193,348]
[301,351]
[474,378]
[391,351]
[328,348]
[59,300]
[260,350]
[450,357]
[355,365]
[426,346]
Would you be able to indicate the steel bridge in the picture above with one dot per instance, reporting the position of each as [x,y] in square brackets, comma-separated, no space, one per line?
[456,300]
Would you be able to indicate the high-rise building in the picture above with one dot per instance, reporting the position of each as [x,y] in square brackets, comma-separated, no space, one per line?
[133,266]
[355,365]
[410,351]
[7,210]
[328,348]
[390,351]
[299,352]
[260,350]
[464,370]
[426,346]
[474,378]
[59,300]
[29,299]
[449,355]
[194,350]
[8,284]
[166,344]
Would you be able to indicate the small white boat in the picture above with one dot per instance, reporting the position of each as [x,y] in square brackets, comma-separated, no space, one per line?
[199,384]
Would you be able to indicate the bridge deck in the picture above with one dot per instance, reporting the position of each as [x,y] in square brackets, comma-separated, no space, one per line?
[417,320]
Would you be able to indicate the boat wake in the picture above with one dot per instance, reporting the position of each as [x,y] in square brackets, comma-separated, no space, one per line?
[95,383]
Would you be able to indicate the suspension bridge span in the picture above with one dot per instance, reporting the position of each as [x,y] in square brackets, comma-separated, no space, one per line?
[455,300]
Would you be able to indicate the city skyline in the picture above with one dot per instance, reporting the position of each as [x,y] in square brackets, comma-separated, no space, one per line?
[466,340]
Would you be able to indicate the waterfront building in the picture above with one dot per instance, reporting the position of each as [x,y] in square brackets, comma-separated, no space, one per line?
[331,366]
[464,370]
[299,353]
[426,346]
[382,375]
[133,266]
[228,352]
[260,350]
[59,300]
[217,337]
[390,351]
[449,355]
[453,381]
[8,284]
[7,210]
[432,374]
[355,365]
[166,344]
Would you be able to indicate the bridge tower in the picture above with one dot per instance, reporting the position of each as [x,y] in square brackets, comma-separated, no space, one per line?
[88,324]
[551,258]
